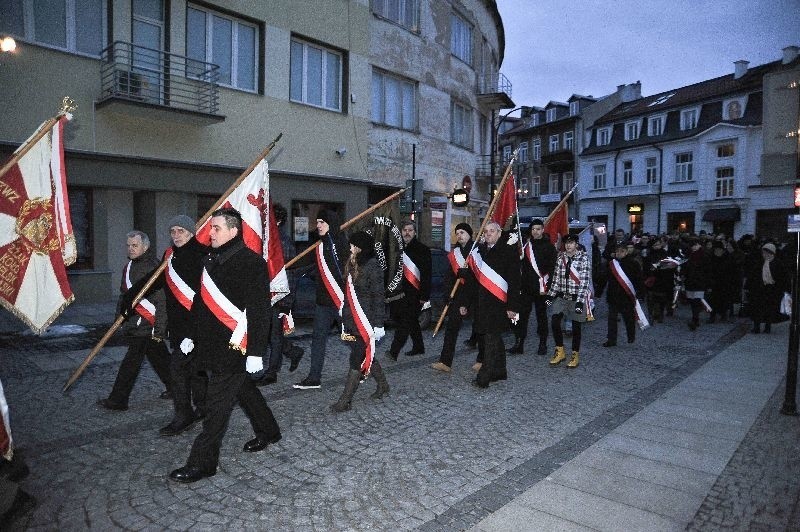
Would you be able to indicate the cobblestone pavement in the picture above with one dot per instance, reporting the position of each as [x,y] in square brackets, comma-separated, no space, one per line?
[437,454]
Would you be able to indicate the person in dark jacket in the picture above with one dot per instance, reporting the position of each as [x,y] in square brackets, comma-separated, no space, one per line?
[538,261]
[496,305]
[232,316]
[464,297]
[660,281]
[766,285]
[416,289]
[145,327]
[363,318]
[618,298]
[723,282]
[695,280]
[179,281]
[330,258]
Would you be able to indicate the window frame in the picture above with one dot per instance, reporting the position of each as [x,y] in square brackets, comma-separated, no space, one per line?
[550,115]
[402,9]
[553,143]
[683,168]
[724,183]
[323,79]
[689,118]
[536,186]
[507,153]
[568,142]
[523,151]
[721,150]
[552,183]
[627,173]
[537,149]
[383,75]
[574,108]
[466,53]
[467,129]
[82,261]
[651,171]
[603,136]
[655,125]
[632,130]
[599,177]
[567,181]
[236,21]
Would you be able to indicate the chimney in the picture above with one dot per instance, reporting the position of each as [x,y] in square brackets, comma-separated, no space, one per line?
[631,91]
[740,68]
[790,53]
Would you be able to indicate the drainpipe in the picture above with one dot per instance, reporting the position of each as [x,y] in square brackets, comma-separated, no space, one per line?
[614,212]
[660,186]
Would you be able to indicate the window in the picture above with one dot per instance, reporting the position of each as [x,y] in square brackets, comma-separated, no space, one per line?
[536,185]
[461,38]
[724,182]
[394,101]
[535,119]
[574,108]
[81,206]
[223,40]
[523,189]
[568,137]
[73,25]
[523,152]
[631,130]
[599,172]
[655,126]
[604,136]
[402,12]
[683,166]
[550,114]
[688,119]
[568,182]
[461,125]
[733,110]
[506,154]
[652,170]
[553,143]
[553,189]
[537,149]
[627,173]
[315,76]
[725,150]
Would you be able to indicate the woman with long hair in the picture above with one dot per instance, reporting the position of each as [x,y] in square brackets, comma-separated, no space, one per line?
[363,316]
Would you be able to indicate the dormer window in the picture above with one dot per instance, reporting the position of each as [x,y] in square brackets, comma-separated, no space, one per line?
[655,126]
[574,108]
[535,119]
[688,119]
[604,136]
[632,130]
[732,109]
[551,114]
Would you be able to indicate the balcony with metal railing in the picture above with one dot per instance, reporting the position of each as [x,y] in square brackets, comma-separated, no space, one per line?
[157,84]
[494,91]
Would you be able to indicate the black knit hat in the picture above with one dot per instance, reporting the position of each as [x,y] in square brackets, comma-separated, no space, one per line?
[182,220]
[325,215]
[571,238]
[535,221]
[362,240]
[465,227]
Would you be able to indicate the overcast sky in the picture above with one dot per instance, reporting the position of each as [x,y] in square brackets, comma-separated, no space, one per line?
[556,48]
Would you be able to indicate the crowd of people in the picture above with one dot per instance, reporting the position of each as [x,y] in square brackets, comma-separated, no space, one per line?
[213,305]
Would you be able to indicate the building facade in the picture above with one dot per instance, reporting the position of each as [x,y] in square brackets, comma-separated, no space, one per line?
[175,98]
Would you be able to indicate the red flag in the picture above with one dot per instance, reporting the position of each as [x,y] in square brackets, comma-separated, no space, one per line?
[6,442]
[557,225]
[36,240]
[506,207]
[251,198]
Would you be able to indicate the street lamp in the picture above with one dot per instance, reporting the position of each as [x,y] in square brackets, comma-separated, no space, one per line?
[8,44]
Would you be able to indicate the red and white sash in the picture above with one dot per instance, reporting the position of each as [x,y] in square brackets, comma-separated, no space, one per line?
[457,261]
[489,279]
[226,312]
[331,285]
[576,278]
[627,286]
[287,323]
[528,250]
[365,330]
[144,307]
[182,291]
[411,271]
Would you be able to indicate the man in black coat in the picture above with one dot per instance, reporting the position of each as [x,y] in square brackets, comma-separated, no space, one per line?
[619,300]
[497,302]
[145,327]
[416,292]
[232,316]
[180,280]
[541,252]
[459,307]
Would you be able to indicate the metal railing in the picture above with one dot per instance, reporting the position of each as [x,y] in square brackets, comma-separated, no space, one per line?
[141,74]
[493,84]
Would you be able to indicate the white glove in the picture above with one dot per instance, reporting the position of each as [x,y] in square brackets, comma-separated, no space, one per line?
[513,238]
[254,364]
[186,346]
[380,332]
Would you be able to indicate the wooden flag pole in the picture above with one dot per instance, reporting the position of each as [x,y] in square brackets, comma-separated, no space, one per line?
[120,319]
[486,220]
[345,225]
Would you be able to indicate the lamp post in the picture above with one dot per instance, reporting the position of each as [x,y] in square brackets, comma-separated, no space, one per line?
[495,133]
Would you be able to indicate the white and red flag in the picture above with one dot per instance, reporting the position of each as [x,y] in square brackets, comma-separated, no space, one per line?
[6,441]
[557,225]
[259,228]
[36,239]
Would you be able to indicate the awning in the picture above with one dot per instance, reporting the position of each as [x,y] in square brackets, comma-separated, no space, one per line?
[730,214]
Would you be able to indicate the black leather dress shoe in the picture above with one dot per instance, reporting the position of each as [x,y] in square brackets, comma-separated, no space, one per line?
[259,444]
[176,427]
[415,352]
[108,405]
[499,377]
[266,379]
[188,474]
[478,384]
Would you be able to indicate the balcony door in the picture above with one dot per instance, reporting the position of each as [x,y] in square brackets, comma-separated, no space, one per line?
[147,60]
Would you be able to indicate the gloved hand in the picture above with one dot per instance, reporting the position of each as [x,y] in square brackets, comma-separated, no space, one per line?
[578,307]
[513,238]
[186,346]
[380,332]
[548,300]
[254,364]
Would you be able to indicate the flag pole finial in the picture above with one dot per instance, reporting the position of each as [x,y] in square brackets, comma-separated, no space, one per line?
[68,105]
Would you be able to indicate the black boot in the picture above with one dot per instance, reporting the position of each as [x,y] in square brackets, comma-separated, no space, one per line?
[343,404]
[380,379]
[516,349]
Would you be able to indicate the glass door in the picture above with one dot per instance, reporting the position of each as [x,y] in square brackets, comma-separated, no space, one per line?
[147,64]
